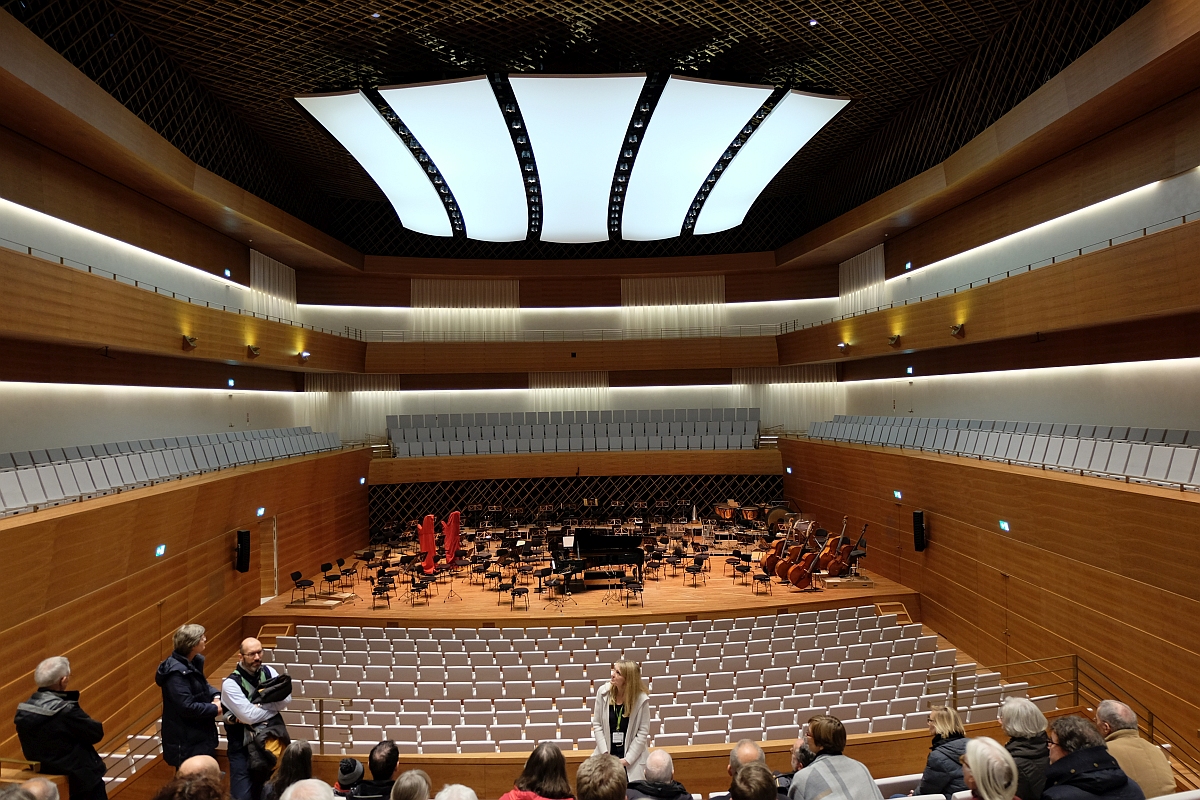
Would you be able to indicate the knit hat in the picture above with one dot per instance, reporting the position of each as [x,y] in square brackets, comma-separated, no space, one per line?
[350,771]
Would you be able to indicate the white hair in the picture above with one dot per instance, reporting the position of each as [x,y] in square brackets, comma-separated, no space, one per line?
[310,789]
[456,791]
[51,671]
[1021,719]
[993,767]
[659,767]
[1116,715]
[41,788]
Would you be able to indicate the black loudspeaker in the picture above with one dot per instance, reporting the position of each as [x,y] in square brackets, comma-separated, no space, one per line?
[919,530]
[242,564]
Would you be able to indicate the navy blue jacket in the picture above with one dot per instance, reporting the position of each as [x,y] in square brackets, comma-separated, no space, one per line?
[1089,774]
[189,717]
[943,774]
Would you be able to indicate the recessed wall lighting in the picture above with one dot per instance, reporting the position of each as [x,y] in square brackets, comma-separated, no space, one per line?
[896,493]
[908,370]
[362,481]
[1004,525]
[260,511]
[231,381]
[789,470]
[228,274]
[160,551]
[907,265]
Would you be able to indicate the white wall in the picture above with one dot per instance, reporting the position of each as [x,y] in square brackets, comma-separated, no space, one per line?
[1153,394]
[37,416]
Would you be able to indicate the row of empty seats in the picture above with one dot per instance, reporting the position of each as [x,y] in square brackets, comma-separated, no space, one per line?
[45,478]
[573,417]
[1157,456]
[402,449]
[586,430]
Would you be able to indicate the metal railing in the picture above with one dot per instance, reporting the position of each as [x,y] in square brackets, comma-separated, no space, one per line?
[138,746]
[581,335]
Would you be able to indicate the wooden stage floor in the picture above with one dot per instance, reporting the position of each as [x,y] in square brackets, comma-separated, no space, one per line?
[667,599]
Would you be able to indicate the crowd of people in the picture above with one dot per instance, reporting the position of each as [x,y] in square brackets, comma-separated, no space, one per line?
[1067,758]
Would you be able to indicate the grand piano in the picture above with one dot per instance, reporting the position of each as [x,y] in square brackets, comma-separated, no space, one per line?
[600,550]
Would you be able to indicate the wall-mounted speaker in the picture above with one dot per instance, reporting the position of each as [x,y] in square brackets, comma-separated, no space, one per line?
[919,530]
[242,564]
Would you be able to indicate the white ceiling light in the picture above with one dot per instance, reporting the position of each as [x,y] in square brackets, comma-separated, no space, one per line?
[577,126]
[461,127]
[353,120]
[691,127]
[794,121]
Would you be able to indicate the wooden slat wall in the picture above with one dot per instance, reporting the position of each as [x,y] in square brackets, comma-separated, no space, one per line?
[1107,570]
[544,465]
[84,581]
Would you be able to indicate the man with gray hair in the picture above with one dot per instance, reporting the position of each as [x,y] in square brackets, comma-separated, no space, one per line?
[659,783]
[41,789]
[55,731]
[456,791]
[747,751]
[1142,761]
[310,789]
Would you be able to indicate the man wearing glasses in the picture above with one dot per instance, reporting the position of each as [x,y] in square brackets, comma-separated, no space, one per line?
[1081,767]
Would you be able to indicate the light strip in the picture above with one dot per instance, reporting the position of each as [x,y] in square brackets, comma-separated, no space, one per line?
[691,127]
[463,130]
[576,126]
[793,122]
[357,125]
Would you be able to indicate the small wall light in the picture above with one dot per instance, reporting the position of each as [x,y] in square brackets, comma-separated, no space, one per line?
[260,511]
[228,274]
[362,481]
[843,346]
[908,370]
[252,350]
[160,551]
[305,355]
[190,342]
[896,493]
[958,331]
[1004,525]
[231,382]
[789,470]
[907,265]
[894,340]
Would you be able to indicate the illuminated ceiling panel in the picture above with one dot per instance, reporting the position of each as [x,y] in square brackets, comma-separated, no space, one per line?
[690,128]
[794,120]
[576,126]
[353,120]
[463,130]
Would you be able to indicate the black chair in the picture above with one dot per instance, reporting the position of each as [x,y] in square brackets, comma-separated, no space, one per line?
[329,581]
[734,559]
[379,589]
[350,573]
[501,588]
[634,589]
[302,585]
[763,581]
[518,592]
[696,570]
[743,569]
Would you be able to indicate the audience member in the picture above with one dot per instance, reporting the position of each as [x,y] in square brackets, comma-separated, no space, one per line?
[41,789]
[601,777]
[1025,725]
[544,776]
[753,781]
[660,783]
[245,708]
[746,751]
[621,721]
[1143,761]
[384,764]
[310,789]
[831,775]
[200,767]
[943,772]
[801,758]
[55,731]
[414,784]
[190,705]
[1081,768]
[350,772]
[14,791]
[989,770]
[456,791]
[294,766]
[194,788]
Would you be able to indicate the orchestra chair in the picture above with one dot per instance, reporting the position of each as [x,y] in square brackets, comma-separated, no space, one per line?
[302,585]
[330,581]
[347,573]
[503,586]
[518,592]
[743,569]
[634,589]
[379,590]
[762,582]
[735,558]
[696,570]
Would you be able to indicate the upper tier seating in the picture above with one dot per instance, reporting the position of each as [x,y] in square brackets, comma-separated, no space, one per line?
[711,681]
[44,478]
[1156,456]
[573,431]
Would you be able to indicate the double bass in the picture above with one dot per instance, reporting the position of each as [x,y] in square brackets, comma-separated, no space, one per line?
[831,547]
[800,573]
[840,564]
[775,553]
[797,552]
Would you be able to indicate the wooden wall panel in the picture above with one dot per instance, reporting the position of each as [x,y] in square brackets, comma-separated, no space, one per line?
[350,289]
[1090,566]
[783,284]
[556,269]
[92,589]
[574,291]
[534,465]
[1147,277]
[46,301]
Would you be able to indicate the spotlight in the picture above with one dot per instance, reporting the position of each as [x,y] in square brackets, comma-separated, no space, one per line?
[843,346]
[894,340]
[958,331]
[190,342]
[252,350]
[305,355]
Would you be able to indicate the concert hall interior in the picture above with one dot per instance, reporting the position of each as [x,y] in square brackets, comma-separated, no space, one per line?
[295,348]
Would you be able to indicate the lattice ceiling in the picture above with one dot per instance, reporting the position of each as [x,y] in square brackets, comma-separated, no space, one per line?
[216,76]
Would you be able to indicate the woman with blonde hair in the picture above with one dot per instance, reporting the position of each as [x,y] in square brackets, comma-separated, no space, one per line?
[621,720]
[989,770]
[943,772]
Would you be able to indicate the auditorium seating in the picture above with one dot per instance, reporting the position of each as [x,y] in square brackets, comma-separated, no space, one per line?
[711,681]
[573,431]
[1156,456]
[44,478]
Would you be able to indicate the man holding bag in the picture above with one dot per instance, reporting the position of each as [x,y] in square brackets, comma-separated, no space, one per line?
[253,695]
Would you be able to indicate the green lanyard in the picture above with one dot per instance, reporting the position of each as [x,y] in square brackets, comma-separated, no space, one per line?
[620,715]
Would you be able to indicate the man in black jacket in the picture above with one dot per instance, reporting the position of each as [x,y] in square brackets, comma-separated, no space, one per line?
[245,709]
[384,763]
[55,731]
[660,783]
[1081,767]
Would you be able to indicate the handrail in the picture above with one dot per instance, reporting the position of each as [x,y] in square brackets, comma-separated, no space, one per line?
[580,335]
[145,750]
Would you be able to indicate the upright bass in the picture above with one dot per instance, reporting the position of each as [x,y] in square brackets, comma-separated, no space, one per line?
[839,565]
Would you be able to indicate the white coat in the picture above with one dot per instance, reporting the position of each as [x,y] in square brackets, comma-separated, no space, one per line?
[637,737]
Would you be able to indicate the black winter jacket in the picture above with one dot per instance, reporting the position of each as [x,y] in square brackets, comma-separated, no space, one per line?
[189,717]
[1032,757]
[1089,774]
[54,730]
[657,791]
[943,773]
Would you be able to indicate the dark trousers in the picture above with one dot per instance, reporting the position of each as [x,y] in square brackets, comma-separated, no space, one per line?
[240,786]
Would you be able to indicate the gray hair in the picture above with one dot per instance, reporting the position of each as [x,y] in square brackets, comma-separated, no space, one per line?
[41,788]
[993,767]
[744,747]
[659,767]
[309,789]
[414,784]
[186,638]
[1116,715]
[51,671]
[1021,718]
[1076,733]
[456,791]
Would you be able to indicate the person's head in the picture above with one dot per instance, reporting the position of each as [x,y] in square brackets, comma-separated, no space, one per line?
[251,654]
[659,767]
[825,734]
[1070,734]
[802,755]
[1113,715]
[456,791]
[626,678]
[189,789]
[41,789]
[189,640]
[53,673]
[295,765]
[350,772]
[944,721]
[200,767]
[545,773]
[384,761]
[309,789]
[753,781]
[413,784]
[989,770]
[745,752]
[601,777]
[1021,719]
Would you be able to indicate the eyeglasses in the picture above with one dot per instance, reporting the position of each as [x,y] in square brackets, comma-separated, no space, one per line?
[1052,743]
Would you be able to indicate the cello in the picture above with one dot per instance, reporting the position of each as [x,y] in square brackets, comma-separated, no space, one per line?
[831,547]
[795,553]
[840,564]
[771,559]
[803,568]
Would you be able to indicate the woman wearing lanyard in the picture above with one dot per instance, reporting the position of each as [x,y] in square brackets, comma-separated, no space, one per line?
[621,721]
